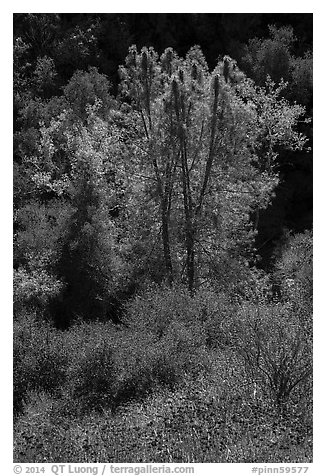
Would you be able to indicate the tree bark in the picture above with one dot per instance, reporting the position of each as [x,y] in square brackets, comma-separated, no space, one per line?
[164,195]
[180,110]
[166,245]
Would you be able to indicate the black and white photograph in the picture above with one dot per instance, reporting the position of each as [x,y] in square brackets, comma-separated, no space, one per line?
[162,239]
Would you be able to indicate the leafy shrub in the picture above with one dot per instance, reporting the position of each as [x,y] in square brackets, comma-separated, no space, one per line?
[217,308]
[20,380]
[154,309]
[185,348]
[275,347]
[34,289]
[97,366]
[40,360]
[142,364]
[158,307]
[172,320]
[110,366]
[294,267]
[89,373]
[92,377]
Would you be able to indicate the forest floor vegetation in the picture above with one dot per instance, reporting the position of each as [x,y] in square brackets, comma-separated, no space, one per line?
[192,392]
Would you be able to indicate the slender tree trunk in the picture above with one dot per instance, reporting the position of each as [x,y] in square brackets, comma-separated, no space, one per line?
[210,157]
[180,110]
[164,193]
[166,212]
[189,220]
[256,219]
[190,258]
[166,244]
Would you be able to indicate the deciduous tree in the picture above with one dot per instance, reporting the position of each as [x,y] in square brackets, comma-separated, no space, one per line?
[210,141]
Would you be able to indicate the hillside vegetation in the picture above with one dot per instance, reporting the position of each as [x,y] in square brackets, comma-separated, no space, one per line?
[157,318]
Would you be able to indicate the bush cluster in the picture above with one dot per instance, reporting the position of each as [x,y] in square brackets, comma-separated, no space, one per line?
[168,337]
[100,365]
[275,347]
[40,360]
[219,381]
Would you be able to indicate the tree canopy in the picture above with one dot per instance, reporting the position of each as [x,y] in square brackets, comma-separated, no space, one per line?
[166,179]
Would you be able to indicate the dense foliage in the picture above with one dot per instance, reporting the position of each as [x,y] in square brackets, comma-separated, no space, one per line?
[144,293]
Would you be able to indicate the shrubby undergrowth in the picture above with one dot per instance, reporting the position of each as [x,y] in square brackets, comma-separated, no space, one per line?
[197,377]
[207,420]
[100,365]
[276,351]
